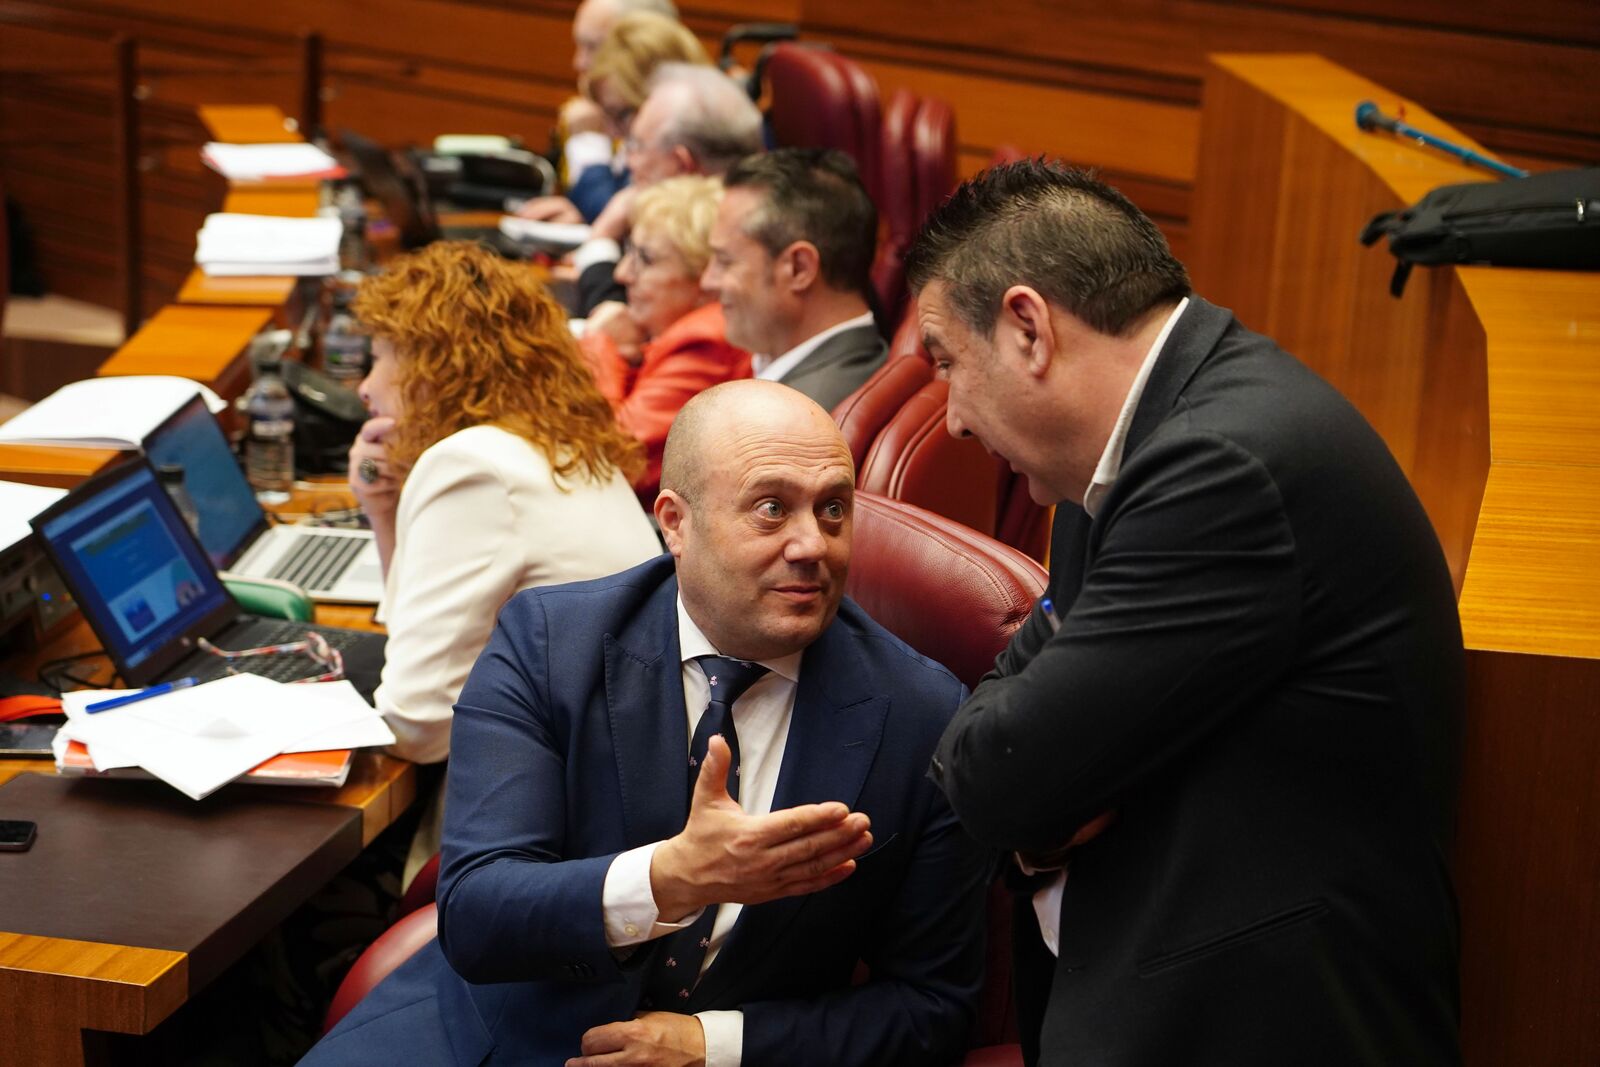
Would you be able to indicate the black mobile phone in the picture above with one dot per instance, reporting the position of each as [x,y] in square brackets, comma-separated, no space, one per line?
[26,739]
[16,835]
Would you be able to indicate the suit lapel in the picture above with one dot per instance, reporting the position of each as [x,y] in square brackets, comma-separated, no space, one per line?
[644,702]
[833,740]
[837,349]
[1193,336]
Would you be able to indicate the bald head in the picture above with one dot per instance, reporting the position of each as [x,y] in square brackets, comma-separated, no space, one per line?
[757,493]
[712,419]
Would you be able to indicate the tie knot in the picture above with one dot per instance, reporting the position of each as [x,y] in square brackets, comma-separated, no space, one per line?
[729,678]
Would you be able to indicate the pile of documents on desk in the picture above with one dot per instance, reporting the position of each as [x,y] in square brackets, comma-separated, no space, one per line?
[199,739]
[286,161]
[267,245]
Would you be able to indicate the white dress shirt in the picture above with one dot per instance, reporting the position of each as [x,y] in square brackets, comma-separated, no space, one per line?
[773,369]
[761,718]
[1047,901]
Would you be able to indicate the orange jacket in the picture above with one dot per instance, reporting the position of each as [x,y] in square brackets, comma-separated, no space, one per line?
[690,355]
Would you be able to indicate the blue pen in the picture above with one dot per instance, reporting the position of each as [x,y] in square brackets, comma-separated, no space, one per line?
[1048,606]
[143,694]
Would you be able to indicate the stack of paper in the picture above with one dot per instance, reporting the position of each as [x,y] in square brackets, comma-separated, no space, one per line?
[268,245]
[105,412]
[200,738]
[556,236]
[18,504]
[270,162]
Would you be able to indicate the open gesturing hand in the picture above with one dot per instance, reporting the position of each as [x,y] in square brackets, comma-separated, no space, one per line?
[726,856]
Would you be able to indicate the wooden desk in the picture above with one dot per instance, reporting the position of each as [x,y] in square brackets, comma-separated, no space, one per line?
[49,465]
[236,124]
[207,344]
[77,973]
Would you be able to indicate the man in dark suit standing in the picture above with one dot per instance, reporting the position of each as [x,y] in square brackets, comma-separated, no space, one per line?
[1242,706]
[791,262]
[591,909]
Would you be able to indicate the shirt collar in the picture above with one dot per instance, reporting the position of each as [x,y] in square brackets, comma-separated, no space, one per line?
[777,366]
[1110,465]
[692,643]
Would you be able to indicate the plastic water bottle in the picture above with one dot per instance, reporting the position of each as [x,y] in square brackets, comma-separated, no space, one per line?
[344,345]
[269,447]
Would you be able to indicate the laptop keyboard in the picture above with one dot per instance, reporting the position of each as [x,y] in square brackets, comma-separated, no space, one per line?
[258,633]
[316,561]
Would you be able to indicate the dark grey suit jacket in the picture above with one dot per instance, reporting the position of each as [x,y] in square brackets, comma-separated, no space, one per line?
[839,366]
[1259,667]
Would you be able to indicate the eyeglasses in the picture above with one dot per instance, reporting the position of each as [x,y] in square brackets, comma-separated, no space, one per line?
[314,646]
[641,255]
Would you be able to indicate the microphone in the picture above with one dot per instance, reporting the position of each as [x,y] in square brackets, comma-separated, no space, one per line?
[1369,118]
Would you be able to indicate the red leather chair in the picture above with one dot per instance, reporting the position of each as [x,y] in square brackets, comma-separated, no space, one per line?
[951,593]
[392,948]
[956,596]
[895,427]
[864,413]
[919,171]
[819,99]
[420,892]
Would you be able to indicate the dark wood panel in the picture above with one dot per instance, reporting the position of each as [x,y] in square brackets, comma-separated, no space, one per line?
[1538,84]
[1527,869]
[1550,20]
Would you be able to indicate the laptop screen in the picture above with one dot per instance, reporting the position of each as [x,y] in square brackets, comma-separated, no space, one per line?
[230,518]
[131,562]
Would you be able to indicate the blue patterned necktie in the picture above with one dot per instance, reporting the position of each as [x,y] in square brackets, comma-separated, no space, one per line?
[681,954]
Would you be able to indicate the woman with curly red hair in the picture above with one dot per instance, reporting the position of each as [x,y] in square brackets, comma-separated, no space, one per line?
[491,463]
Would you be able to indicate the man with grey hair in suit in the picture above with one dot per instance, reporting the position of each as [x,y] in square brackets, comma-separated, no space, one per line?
[696,120]
[791,263]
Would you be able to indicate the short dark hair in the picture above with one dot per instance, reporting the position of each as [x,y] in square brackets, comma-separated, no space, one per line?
[816,195]
[1084,246]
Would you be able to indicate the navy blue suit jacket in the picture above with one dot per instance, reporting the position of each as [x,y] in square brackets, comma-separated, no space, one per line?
[569,747]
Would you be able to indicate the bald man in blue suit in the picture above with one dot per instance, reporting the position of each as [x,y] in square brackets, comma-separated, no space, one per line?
[577,861]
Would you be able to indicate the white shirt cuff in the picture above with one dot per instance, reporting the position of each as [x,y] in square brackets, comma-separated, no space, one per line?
[628,905]
[1047,909]
[724,1032]
[596,250]
[584,150]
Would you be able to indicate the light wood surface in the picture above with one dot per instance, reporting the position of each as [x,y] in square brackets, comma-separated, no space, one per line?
[55,986]
[48,465]
[1485,382]
[207,344]
[202,288]
[288,201]
[247,124]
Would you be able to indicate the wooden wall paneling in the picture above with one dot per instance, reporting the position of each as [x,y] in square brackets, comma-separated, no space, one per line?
[1121,134]
[1554,20]
[1530,802]
[1514,79]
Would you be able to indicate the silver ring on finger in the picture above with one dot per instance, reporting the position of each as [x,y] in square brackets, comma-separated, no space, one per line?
[367,470]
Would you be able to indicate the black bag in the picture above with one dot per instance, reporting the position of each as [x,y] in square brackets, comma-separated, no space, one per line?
[1545,220]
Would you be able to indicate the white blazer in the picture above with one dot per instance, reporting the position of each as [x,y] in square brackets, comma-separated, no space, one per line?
[480,518]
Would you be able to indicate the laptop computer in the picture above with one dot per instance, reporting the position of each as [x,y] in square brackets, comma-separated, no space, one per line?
[150,593]
[329,564]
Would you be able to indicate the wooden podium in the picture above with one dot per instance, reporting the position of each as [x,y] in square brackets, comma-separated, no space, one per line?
[1485,382]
